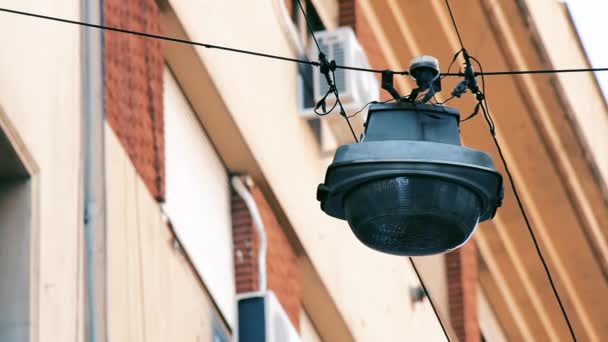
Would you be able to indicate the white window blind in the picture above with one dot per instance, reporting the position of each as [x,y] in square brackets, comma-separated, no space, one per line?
[198,198]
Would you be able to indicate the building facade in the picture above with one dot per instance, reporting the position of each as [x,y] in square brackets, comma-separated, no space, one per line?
[136,174]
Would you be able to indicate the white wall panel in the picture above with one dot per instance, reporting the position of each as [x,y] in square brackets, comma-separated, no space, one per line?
[198,198]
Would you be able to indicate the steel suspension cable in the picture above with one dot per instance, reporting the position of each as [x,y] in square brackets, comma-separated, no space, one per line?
[482,102]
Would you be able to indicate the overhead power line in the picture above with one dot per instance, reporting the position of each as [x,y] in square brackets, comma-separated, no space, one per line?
[312,33]
[277,57]
[491,125]
[184,41]
[428,295]
[327,69]
[156,36]
[447,3]
[526,72]
[547,71]
[482,102]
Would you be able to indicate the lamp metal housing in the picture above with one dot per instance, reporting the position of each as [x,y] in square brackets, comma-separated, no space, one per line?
[409,187]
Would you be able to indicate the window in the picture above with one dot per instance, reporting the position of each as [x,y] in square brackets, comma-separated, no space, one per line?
[198,198]
[218,332]
[15,248]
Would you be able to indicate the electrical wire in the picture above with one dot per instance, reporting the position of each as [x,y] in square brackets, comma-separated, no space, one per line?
[428,295]
[525,72]
[363,108]
[447,3]
[343,113]
[435,101]
[542,71]
[483,104]
[444,101]
[156,36]
[309,25]
[282,58]
[451,63]
[488,117]
[327,67]
[185,41]
[374,102]
[189,42]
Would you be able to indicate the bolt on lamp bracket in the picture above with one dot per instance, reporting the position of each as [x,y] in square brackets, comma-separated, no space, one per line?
[387,84]
[433,86]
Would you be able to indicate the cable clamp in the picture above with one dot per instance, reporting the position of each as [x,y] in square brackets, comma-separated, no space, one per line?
[469,82]
[469,73]
[326,67]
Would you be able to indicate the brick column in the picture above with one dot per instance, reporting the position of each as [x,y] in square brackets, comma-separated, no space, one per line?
[133,87]
[347,14]
[289,6]
[367,38]
[461,268]
[281,260]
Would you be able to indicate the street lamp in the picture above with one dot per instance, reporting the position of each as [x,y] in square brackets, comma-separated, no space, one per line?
[409,187]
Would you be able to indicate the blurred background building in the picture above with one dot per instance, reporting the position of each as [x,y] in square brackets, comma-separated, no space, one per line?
[134,174]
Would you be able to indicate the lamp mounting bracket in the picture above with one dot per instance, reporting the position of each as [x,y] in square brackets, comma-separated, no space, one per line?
[387,84]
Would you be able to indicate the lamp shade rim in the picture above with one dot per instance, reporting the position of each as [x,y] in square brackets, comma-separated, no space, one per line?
[411,151]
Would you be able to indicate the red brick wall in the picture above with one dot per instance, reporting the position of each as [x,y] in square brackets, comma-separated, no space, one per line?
[289,6]
[281,260]
[347,14]
[461,268]
[133,87]
[245,244]
[368,41]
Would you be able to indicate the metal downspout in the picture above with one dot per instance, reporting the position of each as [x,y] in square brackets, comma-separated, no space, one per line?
[94,177]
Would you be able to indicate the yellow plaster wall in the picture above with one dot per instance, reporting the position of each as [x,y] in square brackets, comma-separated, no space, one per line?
[40,99]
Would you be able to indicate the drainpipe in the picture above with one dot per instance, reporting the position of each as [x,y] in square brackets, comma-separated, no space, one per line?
[94,175]
[243,191]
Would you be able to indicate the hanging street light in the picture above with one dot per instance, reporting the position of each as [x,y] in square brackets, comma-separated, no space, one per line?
[409,187]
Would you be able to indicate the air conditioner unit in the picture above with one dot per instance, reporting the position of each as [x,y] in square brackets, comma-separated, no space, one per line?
[356,88]
[263,319]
